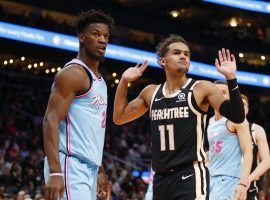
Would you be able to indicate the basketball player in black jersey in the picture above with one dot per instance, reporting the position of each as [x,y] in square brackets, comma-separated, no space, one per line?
[261,156]
[178,118]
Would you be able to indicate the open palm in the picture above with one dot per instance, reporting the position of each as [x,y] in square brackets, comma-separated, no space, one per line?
[226,64]
[133,73]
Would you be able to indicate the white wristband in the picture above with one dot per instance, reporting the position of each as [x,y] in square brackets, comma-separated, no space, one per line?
[56,174]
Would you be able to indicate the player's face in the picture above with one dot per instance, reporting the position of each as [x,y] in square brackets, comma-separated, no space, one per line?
[224,90]
[94,40]
[177,59]
[245,106]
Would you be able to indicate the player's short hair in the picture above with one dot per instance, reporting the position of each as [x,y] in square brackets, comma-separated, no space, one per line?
[245,98]
[162,47]
[221,82]
[92,16]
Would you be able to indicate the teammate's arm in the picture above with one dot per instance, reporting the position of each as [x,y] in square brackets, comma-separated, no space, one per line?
[263,150]
[242,131]
[125,111]
[67,84]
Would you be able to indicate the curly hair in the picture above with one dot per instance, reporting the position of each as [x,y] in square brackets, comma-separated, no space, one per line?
[92,16]
[162,47]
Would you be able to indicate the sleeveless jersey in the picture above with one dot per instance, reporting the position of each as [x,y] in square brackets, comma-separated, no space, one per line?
[82,131]
[225,154]
[256,159]
[177,129]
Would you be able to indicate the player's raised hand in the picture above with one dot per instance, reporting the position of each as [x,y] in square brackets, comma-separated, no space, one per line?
[226,63]
[133,73]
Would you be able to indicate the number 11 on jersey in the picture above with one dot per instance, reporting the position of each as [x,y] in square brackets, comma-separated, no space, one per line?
[162,130]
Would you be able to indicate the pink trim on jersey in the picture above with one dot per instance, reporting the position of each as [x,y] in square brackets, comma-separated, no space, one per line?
[151,175]
[85,94]
[100,79]
[67,183]
[231,133]
[68,134]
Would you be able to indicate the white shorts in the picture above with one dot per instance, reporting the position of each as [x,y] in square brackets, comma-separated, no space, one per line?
[149,193]
[80,178]
[223,187]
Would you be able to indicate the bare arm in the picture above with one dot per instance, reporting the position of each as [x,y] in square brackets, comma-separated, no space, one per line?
[263,150]
[233,109]
[125,111]
[67,84]
[246,147]
[244,138]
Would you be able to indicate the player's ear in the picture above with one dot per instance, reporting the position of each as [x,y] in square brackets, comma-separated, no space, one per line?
[161,61]
[80,37]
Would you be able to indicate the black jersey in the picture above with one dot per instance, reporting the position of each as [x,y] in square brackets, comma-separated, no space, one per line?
[255,186]
[178,128]
[255,148]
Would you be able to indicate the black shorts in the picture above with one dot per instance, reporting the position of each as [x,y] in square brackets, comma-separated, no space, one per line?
[254,189]
[187,183]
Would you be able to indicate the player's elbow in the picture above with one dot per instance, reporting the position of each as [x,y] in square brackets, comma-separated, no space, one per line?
[49,123]
[268,163]
[46,124]
[117,120]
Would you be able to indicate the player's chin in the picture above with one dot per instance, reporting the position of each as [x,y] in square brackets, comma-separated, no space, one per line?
[99,56]
[182,69]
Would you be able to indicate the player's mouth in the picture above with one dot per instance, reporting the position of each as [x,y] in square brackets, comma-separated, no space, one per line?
[101,49]
[183,62]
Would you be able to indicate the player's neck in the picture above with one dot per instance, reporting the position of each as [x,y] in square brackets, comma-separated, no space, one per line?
[217,116]
[173,84]
[90,63]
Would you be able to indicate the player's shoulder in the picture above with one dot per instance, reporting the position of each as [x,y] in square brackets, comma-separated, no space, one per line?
[72,75]
[257,128]
[204,84]
[148,92]
[204,88]
[71,72]
[151,88]
[244,124]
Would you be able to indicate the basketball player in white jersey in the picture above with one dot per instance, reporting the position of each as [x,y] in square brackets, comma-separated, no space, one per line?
[228,143]
[178,118]
[74,123]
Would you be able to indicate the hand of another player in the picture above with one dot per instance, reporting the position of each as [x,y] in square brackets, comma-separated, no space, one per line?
[55,188]
[103,187]
[133,73]
[226,64]
[241,193]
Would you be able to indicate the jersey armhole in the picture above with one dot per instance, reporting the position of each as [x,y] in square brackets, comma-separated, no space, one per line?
[91,84]
[193,100]
[226,124]
[195,105]
[252,132]
[153,97]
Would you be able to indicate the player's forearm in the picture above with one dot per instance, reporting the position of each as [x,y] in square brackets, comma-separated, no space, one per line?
[233,109]
[260,170]
[120,101]
[51,144]
[246,166]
